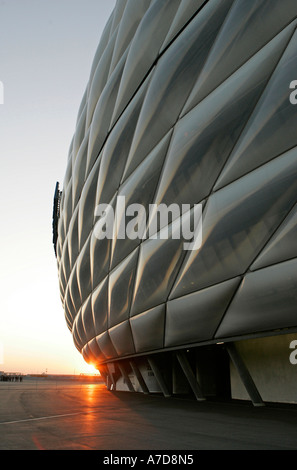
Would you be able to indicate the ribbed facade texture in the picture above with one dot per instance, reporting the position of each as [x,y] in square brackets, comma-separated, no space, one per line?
[188,102]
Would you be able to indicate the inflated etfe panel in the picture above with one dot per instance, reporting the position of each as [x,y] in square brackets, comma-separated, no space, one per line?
[191,103]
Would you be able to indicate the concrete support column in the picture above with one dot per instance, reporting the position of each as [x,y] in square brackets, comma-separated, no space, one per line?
[139,377]
[184,363]
[159,377]
[112,376]
[125,375]
[244,375]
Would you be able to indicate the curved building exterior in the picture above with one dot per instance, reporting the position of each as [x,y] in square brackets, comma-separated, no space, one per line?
[189,103]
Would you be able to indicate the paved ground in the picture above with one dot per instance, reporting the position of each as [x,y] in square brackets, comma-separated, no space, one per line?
[49,415]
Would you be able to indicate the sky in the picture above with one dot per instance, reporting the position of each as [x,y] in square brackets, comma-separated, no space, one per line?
[46,52]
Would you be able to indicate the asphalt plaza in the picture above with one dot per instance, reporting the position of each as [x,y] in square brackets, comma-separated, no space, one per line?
[63,415]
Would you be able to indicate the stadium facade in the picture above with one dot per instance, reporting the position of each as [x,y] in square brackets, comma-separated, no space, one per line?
[191,103]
